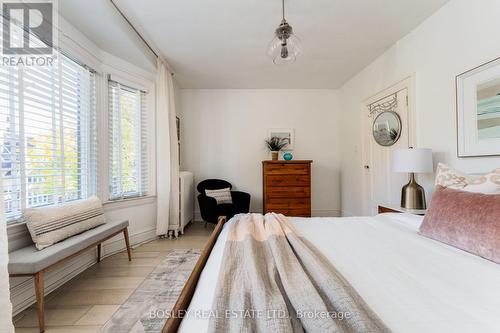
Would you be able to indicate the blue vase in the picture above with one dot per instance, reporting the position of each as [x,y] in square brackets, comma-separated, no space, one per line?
[287,156]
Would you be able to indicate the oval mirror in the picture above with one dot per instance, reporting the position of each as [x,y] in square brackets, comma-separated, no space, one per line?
[387,128]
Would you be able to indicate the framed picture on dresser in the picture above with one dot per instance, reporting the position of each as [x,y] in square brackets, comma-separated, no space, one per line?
[478,110]
[284,133]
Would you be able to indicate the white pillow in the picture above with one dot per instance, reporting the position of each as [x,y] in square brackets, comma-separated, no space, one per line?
[222,196]
[49,225]
[488,183]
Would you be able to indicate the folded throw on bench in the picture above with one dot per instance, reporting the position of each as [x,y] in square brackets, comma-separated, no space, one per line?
[49,225]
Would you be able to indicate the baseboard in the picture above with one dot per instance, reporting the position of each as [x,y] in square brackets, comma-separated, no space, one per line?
[116,244]
[22,289]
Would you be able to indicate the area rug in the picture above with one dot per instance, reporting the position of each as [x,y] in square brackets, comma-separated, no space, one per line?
[147,308]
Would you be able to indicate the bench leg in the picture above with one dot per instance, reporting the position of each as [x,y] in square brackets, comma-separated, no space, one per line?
[40,299]
[98,252]
[127,243]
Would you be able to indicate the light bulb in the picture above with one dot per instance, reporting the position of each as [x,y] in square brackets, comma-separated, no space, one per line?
[284,51]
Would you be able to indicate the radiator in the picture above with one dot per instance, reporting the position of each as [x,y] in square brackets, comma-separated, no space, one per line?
[186,196]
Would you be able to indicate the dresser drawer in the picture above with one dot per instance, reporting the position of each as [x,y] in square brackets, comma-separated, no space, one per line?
[288,203]
[286,169]
[287,192]
[301,212]
[287,180]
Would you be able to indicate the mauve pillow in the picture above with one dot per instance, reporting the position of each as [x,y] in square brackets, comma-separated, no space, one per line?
[468,221]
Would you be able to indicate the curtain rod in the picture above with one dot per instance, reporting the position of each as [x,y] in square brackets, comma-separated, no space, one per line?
[133,28]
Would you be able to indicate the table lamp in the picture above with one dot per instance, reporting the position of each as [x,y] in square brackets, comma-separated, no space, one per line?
[412,160]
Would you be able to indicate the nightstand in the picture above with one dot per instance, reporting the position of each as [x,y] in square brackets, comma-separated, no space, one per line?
[394,209]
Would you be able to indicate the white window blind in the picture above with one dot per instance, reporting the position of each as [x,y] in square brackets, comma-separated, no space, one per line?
[47,134]
[128,160]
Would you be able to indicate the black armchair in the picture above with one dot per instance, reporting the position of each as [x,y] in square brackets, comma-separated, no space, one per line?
[210,210]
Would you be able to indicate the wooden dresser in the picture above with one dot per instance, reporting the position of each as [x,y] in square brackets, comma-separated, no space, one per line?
[287,187]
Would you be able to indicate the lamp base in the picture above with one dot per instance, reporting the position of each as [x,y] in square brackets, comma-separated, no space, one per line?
[413,195]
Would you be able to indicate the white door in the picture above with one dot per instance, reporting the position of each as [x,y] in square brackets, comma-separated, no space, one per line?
[381,185]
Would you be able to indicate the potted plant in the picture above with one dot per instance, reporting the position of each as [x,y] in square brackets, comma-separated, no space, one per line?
[275,144]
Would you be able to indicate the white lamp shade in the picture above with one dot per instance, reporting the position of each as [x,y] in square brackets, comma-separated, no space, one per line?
[417,160]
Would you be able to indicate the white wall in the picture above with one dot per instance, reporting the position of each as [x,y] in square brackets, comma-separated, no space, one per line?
[223,133]
[461,35]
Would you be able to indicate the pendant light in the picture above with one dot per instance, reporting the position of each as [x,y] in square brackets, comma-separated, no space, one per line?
[285,46]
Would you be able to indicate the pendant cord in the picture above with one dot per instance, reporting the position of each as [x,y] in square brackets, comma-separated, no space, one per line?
[283,8]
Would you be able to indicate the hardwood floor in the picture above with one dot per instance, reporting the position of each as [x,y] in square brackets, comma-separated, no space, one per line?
[85,303]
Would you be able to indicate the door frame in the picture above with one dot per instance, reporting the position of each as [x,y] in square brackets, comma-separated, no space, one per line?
[407,83]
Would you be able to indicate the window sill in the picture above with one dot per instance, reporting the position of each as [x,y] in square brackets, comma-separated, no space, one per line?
[129,202]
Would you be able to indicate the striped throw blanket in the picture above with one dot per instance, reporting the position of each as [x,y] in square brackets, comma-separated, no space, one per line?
[273,280]
[49,225]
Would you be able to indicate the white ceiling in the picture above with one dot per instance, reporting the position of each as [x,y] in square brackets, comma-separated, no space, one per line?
[103,25]
[222,43]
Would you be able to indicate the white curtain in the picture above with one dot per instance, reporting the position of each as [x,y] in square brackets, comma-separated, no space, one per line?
[167,155]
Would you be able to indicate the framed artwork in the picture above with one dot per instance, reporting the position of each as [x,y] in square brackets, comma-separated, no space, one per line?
[285,133]
[478,110]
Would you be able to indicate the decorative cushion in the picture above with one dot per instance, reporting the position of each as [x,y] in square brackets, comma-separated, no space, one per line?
[488,183]
[222,196]
[49,225]
[468,221]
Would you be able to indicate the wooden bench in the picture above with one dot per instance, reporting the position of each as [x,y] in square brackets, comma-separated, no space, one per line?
[28,261]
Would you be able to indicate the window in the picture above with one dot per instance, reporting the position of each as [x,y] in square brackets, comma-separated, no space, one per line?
[128,163]
[47,134]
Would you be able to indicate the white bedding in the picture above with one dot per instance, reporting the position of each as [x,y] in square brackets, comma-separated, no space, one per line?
[413,283]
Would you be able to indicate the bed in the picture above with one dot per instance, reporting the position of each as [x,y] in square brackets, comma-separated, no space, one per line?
[414,284]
